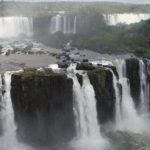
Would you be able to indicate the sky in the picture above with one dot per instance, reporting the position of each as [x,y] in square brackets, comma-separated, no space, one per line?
[124,1]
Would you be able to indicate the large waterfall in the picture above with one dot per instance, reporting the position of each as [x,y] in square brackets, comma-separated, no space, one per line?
[87,126]
[14,26]
[63,23]
[8,140]
[89,133]
[125,18]
[127,109]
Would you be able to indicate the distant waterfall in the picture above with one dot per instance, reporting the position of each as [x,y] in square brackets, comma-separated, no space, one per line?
[9,138]
[14,26]
[125,18]
[88,129]
[75,25]
[63,23]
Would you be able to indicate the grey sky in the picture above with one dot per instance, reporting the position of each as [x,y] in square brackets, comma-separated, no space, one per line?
[124,1]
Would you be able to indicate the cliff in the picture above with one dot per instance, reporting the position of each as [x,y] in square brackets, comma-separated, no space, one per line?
[43,106]
[102,81]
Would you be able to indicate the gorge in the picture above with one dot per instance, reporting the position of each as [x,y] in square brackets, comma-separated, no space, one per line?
[77,79]
[49,104]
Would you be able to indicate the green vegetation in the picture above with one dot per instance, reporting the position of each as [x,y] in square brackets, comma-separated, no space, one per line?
[92,31]
[46,8]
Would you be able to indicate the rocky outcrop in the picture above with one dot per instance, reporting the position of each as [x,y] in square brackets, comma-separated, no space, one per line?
[102,81]
[85,66]
[80,79]
[132,70]
[43,106]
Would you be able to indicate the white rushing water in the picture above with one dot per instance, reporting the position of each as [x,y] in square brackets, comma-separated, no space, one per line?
[125,18]
[88,129]
[130,120]
[63,23]
[9,138]
[144,95]
[14,26]
[118,113]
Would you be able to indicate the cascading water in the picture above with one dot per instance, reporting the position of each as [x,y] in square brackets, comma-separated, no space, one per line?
[8,140]
[144,95]
[88,129]
[125,18]
[118,97]
[130,120]
[75,25]
[14,26]
[63,23]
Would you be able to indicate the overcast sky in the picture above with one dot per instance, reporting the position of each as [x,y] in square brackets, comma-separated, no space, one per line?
[124,1]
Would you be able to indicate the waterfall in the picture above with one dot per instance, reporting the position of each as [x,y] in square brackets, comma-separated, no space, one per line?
[58,23]
[130,119]
[14,26]
[9,138]
[144,95]
[88,128]
[63,23]
[75,25]
[125,18]
[118,113]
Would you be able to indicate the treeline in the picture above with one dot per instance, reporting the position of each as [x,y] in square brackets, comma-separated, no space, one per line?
[44,8]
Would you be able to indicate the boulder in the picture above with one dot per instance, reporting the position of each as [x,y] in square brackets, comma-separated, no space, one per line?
[62,65]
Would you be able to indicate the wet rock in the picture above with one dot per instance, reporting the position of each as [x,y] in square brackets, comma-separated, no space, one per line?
[85,66]
[80,79]
[43,106]
[132,70]
[113,68]
[7,53]
[85,60]
[102,81]
[62,65]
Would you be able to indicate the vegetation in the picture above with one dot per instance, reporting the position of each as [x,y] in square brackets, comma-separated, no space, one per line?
[92,31]
[46,8]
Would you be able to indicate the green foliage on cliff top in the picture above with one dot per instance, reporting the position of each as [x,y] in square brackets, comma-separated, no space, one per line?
[33,74]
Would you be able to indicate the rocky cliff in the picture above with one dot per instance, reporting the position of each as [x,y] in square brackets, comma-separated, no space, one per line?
[102,81]
[132,70]
[43,106]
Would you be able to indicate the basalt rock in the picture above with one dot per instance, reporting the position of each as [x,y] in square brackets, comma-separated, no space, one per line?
[85,66]
[102,81]
[43,106]
[80,79]
[132,70]
[113,68]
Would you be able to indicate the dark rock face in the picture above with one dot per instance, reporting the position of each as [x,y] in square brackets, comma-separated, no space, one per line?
[43,106]
[132,69]
[113,68]
[102,81]
[85,66]
[80,79]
